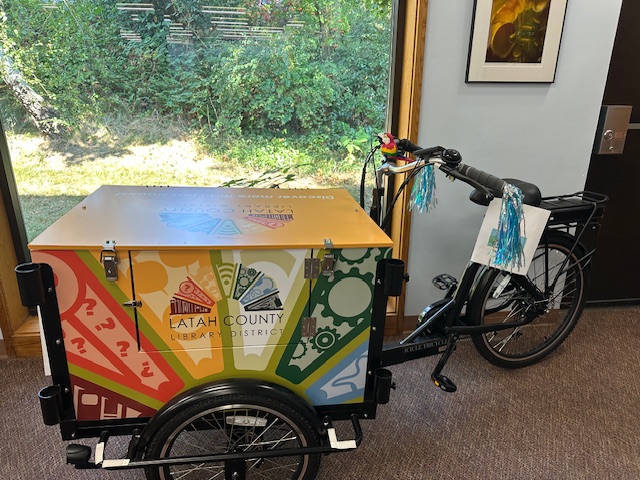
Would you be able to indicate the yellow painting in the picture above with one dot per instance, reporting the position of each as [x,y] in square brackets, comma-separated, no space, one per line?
[517,31]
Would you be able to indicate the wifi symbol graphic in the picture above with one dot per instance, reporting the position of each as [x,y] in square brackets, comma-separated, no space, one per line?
[226,274]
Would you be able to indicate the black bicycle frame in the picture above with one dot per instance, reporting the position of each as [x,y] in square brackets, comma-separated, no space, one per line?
[449,309]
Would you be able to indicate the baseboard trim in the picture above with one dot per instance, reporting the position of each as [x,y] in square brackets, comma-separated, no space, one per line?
[623,302]
[26,339]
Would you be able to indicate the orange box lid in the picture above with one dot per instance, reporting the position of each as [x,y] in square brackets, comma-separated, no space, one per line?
[170,218]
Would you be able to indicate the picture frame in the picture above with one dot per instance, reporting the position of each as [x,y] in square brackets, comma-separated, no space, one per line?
[515,41]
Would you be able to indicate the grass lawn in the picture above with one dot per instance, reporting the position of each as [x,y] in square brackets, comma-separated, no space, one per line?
[52,177]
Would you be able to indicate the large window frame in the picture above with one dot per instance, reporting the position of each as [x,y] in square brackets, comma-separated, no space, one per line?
[407,54]
[408,61]
[13,251]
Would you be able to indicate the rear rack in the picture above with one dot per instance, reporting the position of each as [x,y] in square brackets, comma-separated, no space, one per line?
[580,208]
[577,212]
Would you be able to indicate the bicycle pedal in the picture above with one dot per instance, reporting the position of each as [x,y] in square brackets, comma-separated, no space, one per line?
[444,281]
[444,383]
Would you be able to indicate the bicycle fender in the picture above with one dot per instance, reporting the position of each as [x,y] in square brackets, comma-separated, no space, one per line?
[226,387]
[580,250]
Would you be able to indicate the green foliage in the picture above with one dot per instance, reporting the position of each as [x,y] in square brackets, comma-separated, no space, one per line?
[325,78]
[14,116]
[71,57]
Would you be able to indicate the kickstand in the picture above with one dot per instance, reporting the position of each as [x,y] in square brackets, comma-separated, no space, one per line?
[442,381]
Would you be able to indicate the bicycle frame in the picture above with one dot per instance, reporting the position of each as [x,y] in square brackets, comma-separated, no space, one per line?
[442,322]
[446,316]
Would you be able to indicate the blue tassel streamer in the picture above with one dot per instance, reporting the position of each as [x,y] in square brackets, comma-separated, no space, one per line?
[423,194]
[509,252]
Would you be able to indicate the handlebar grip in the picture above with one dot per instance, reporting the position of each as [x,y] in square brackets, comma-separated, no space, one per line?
[407,146]
[494,184]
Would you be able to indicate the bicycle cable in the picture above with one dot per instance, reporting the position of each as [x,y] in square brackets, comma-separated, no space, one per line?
[369,159]
[414,172]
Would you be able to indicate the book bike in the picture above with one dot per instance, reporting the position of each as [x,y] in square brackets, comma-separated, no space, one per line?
[226,331]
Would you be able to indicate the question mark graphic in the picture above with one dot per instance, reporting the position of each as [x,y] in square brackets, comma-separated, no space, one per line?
[123,348]
[79,342]
[91,304]
[110,325]
[146,371]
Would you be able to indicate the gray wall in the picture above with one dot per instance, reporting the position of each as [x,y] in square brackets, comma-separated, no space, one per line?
[542,133]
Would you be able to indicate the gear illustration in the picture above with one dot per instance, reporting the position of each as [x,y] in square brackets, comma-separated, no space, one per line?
[301,347]
[354,256]
[329,312]
[324,339]
[383,253]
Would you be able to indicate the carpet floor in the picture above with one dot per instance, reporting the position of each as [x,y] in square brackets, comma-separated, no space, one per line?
[572,416]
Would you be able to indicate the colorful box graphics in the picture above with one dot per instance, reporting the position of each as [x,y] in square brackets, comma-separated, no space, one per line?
[206,312]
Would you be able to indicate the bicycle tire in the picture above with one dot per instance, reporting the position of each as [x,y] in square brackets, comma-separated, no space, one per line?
[496,302]
[235,423]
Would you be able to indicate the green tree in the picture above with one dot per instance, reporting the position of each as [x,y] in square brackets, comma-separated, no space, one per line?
[305,66]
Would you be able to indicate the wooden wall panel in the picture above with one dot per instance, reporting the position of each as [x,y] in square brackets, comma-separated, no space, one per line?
[415,26]
[12,313]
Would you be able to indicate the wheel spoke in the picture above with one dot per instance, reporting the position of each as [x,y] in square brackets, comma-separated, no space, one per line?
[195,468]
[500,345]
[549,320]
[277,466]
[237,428]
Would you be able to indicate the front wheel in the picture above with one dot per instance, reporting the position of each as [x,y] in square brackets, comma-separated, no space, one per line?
[556,271]
[236,423]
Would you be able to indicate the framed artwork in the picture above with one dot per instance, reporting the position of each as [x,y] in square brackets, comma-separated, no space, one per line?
[515,40]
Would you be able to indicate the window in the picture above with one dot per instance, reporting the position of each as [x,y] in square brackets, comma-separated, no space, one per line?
[189,92]
[93,66]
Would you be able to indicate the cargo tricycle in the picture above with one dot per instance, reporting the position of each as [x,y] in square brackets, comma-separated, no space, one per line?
[227,331]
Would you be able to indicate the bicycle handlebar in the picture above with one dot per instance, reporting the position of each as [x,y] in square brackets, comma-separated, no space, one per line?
[478,179]
[490,182]
[407,146]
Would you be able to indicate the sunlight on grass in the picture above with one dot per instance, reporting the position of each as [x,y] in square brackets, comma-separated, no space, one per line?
[52,177]
[40,212]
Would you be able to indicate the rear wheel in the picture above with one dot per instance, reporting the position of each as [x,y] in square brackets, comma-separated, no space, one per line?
[236,423]
[560,275]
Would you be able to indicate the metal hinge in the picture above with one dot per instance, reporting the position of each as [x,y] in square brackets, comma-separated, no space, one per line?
[308,327]
[311,267]
[109,259]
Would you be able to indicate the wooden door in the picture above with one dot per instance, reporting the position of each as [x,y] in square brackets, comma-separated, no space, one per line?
[616,268]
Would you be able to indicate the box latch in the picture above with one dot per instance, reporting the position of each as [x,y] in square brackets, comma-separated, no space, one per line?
[328,264]
[109,259]
[313,267]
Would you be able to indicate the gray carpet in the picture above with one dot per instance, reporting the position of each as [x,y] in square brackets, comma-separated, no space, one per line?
[572,416]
